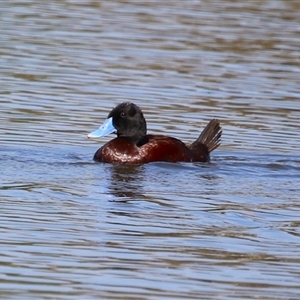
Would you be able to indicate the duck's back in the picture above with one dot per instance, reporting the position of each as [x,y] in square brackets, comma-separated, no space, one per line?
[164,148]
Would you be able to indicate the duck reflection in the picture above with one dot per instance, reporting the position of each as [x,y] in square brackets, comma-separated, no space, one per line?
[126,181]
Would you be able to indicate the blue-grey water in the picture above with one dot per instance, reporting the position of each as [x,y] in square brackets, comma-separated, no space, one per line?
[71,228]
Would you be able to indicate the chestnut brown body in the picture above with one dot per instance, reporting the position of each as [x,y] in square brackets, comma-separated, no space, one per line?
[158,148]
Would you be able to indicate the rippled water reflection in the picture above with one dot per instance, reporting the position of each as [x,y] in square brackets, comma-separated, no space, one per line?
[74,228]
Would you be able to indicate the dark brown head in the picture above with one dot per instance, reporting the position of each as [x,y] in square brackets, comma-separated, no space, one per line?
[126,120]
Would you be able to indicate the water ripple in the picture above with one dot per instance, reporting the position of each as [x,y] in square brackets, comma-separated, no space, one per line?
[74,228]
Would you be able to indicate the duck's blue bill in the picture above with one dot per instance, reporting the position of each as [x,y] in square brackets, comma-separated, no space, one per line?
[105,129]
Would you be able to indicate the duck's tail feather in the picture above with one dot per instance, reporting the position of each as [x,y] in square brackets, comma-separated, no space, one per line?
[210,136]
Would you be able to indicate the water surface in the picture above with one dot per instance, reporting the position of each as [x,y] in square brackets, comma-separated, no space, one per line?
[72,228]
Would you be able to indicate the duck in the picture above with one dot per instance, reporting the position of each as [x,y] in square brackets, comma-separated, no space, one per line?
[134,146]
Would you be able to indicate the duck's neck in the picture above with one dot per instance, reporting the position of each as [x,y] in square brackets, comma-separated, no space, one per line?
[138,140]
[142,141]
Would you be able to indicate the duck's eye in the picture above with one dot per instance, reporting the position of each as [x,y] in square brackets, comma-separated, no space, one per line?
[122,114]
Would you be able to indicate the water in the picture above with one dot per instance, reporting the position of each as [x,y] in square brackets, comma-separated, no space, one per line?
[72,228]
